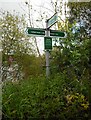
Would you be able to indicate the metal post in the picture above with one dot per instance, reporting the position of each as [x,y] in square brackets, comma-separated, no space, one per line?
[47,63]
[47,53]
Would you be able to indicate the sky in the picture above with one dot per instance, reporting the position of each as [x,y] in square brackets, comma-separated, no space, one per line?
[17,5]
[20,7]
[39,7]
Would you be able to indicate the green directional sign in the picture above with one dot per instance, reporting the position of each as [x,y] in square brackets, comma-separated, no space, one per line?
[47,43]
[56,33]
[41,32]
[52,20]
[35,31]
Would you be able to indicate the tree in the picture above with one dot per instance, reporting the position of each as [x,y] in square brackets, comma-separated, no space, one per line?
[80,12]
[75,48]
[14,41]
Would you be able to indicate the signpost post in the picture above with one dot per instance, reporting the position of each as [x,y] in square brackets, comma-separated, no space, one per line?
[49,23]
[47,34]
[47,52]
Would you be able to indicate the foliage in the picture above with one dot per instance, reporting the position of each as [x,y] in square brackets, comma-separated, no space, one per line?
[13,37]
[72,53]
[30,65]
[81,13]
[17,47]
[40,98]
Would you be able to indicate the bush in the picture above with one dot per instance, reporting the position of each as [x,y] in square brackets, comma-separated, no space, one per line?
[41,98]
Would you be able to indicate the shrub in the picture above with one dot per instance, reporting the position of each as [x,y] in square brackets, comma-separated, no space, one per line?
[41,98]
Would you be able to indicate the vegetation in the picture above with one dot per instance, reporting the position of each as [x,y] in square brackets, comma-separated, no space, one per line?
[41,98]
[30,95]
[17,49]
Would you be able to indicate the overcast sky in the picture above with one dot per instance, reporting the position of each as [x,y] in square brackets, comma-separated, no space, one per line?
[39,6]
[17,5]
